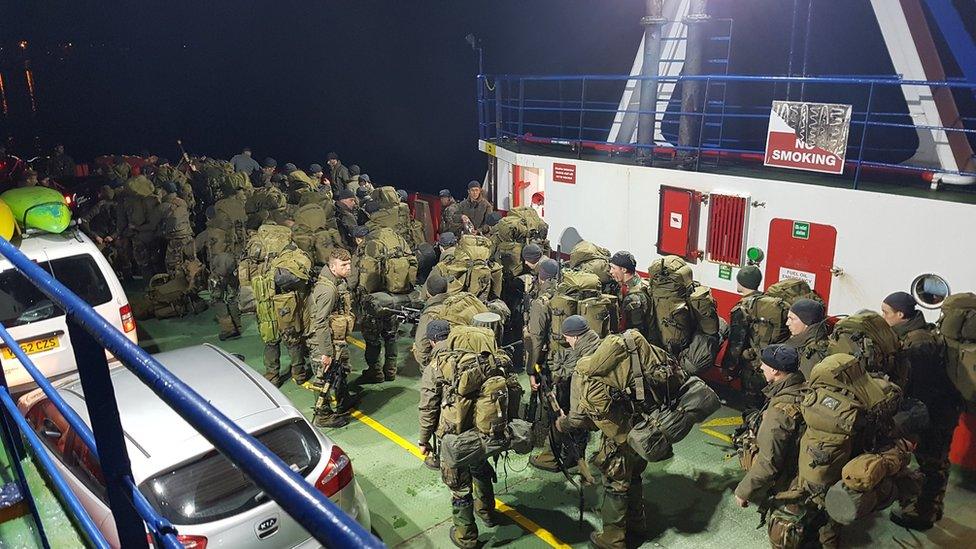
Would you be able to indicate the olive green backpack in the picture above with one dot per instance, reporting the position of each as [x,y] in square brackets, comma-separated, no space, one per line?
[845,411]
[588,257]
[766,317]
[480,394]
[868,338]
[472,269]
[579,293]
[957,325]
[386,263]
[792,290]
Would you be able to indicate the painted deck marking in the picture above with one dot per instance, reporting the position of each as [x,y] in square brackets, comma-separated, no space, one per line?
[732,421]
[518,518]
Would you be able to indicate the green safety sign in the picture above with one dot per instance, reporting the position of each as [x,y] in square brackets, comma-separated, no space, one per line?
[725,272]
[801,230]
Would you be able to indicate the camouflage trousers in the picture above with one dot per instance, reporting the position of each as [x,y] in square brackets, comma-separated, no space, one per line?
[226,309]
[799,525]
[338,388]
[380,335]
[272,355]
[179,251]
[471,483]
[623,491]
[932,455]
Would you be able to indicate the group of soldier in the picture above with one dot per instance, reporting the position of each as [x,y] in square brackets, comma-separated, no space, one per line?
[233,231]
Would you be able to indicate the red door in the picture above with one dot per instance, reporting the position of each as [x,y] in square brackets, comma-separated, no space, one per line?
[804,250]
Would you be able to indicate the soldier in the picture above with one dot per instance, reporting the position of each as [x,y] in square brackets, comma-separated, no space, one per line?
[100,223]
[380,335]
[531,256]
[449,221]
[221,251]
[167,172]
[60,166]
[244,163]
[632,295]
[266,203]
[435,333]
[436,289]
[175,229]
[623,504]
[474,210]
[739,357]
[366,183]
[262,178]
[117,171]
[927,382]
[808,328]
[538,327]
[471,486]
[354,178]
[338,174]
[571,447]
[316,173]
[347,216]
[330,321]
[775,452]
[136,227]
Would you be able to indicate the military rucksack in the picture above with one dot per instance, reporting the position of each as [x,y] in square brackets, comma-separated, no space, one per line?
[792,290]
[579,293]
[588,257]
[847,412]
[171,297]
[957,325]
[386,196]
[480,394]
[458,309]
[386,263]
[869,339]
[471,268]
[670,283]
[521,227]
[670,276]
[765,317]
[253,273]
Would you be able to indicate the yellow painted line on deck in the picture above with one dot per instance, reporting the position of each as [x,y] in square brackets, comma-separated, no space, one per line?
[732,421]
[716,434]
[518,518]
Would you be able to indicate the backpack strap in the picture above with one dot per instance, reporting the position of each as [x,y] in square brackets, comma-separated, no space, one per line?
[636,371]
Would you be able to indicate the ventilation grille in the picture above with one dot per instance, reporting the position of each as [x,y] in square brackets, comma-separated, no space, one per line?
[727,229]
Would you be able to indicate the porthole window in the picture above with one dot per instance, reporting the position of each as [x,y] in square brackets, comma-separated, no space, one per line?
[930,290]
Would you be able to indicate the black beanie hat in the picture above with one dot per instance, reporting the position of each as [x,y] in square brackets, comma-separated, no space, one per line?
[474,184]
[548,269]
[344,194]
[574,325]
[749,277]
[270,163]
[436,284]
[438,330]
[901,302]
[447,239]
[532,253]
[372,206]
[355,169]
[492,219]
[360,231]
[781,357]
[808,311]
[624,260]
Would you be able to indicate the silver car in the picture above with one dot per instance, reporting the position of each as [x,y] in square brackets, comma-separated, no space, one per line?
[208,499]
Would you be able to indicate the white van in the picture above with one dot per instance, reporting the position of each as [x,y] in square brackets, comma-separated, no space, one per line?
[40,326]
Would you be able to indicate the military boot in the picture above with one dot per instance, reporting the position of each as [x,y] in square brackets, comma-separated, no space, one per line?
[614,516]
[636,520]
[464,533]
[545,460]
[390,369]
[914,517]
[484,501]
[372,374]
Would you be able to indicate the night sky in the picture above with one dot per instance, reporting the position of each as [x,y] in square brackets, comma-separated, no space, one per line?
[388,85]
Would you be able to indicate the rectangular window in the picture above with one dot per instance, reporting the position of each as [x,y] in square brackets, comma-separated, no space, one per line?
[22,303]
[727,218]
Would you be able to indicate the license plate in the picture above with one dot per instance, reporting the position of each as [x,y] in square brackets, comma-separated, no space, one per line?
[33,346]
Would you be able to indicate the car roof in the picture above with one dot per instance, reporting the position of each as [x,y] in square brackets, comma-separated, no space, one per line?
[42,246]
[161,435]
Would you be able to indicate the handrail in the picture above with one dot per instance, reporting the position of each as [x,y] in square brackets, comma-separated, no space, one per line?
[313,510]
[159,525]
[897,81]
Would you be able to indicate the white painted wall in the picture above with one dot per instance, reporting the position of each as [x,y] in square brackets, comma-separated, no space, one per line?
[883,241]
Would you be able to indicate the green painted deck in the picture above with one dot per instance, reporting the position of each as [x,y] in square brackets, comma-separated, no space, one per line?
[688,498]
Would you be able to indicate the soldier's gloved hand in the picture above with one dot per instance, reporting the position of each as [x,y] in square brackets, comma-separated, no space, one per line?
[741,502]
[532,383]
[424,447]
[326,360]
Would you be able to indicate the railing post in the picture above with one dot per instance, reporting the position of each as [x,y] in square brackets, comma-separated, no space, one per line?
[864,135]
[521,112]
[107,428]
[701,127]
[498,109]
[579,138]
[16,452]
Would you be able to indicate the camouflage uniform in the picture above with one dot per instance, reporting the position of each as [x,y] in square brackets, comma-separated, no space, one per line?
[623,503]
[811,345]
[928,382]
[740,356]
[422,347]
[451,219]
[477,211]
[347,221]
[137,221]
[176,230]
[329,320]
[471,487]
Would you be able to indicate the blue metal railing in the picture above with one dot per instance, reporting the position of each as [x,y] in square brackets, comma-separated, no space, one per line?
[91,335]
[522,108]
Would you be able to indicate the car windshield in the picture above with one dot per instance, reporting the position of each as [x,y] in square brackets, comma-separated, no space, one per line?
[22,303]
[212,488]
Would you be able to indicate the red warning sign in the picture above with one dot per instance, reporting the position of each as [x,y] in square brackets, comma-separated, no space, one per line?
[564,173]
[808,136]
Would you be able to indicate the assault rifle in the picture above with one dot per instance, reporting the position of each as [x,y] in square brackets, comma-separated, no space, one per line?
[553,411]
[329,378]
[410,315]
[184,157]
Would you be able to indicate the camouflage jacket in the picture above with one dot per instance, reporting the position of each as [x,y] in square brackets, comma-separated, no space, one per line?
[329,298]
[811,345]
[775,466]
